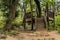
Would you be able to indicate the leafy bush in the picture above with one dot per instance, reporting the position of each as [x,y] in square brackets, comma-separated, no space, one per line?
[57,21]
[2,20]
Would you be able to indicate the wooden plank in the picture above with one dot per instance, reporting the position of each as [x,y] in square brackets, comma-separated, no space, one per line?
[39,23]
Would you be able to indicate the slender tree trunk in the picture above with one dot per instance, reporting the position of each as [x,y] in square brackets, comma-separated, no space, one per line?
[54,15]
[11,16]
[31,14]
[45,19]
[24,19]
[47,15]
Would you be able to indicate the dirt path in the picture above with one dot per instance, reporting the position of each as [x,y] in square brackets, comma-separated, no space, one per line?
[38,35]
[55,35]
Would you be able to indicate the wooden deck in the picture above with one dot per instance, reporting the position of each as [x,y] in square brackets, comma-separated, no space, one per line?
[39,23]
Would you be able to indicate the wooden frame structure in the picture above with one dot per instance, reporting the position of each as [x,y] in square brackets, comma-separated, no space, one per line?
[47,18]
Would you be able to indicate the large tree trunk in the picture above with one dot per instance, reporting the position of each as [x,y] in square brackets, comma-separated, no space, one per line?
[38,7]
[11,16]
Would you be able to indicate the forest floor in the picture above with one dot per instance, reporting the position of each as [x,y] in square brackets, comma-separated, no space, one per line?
[37,35]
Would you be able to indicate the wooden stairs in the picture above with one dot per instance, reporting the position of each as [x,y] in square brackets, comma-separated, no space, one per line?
[39,23]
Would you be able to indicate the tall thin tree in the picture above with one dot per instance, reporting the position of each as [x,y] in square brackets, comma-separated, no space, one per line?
[47,15]
[31,14]
[24,21]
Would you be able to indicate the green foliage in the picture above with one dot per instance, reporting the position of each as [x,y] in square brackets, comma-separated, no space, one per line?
[57,21]
[2,20]
[18,20]
[5,4]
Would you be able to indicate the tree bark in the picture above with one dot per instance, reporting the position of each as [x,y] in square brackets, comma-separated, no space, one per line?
[24,19]
[38,7]
[47,15]
[12,10]
[54,15]
[31,14]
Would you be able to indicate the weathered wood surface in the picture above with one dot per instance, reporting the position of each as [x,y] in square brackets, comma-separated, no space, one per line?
[39,23]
